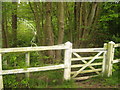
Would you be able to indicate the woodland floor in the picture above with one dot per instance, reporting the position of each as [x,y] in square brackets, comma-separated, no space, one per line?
[94,84]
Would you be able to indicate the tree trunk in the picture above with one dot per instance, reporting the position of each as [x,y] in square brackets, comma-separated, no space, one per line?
[85,16]
[37,20]
[77,23]
[49,35]
[0,24]
[61,27]
[14,24]
[4,27]
[38,17]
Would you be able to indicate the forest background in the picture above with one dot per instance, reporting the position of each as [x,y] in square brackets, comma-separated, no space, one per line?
[85,24]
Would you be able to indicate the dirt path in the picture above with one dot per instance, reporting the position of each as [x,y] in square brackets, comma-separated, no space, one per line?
[93,84]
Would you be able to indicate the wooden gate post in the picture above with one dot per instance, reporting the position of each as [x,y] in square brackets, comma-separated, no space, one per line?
[27,56]
[108,59]
[67,61]
[1,78]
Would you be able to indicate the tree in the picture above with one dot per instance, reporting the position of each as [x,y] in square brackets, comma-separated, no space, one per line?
[14,24]
[86,16]
[49,35]
[4,26]
[61,27]
[37,17]
[0,25]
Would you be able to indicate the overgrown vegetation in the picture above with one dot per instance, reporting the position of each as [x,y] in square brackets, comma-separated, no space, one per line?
[85,24]
[47,79]
[112,80]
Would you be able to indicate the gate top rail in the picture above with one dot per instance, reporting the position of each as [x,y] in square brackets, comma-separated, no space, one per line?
[117,45]
[89,50]
[28,49]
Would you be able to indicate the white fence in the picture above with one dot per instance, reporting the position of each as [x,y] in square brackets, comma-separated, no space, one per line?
[107,50]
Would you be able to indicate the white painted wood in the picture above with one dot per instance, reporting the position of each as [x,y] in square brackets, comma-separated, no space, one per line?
[104,60]
[81,65]
[27,56]
[83,78]
[85,62]
[89,50]
[117,45]
[85,58]
[67,61]
[87,71]
[32,69]
[86,65]
[28,49]
[1,78]
[110,57]
[116,61]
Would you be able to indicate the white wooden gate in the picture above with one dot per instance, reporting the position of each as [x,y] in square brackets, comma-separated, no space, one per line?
[86,63]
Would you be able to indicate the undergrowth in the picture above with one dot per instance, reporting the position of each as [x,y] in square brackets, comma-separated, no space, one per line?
[47,79]
[112,80]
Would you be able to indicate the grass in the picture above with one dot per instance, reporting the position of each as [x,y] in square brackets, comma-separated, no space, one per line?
[47,79]
[112,80]
[54,79]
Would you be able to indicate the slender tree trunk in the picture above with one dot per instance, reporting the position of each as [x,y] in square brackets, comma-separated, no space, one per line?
[4,28]
[85,15]
[38,16]
[49,35]
[37,20]
[1,25]
[88,23]
[14,24]
[77,22]
[61,27]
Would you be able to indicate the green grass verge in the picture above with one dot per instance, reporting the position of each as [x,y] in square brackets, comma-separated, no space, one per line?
[112,80]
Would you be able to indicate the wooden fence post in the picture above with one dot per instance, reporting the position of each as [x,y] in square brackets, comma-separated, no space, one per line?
[1,78]
[108,59]
[67,61]
[104,60]
[27,56]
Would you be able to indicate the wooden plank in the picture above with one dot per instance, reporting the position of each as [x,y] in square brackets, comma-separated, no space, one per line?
[104,59]
[28,49]
[85,77]
[116,61]
[27,56]
[81,65]
[33,69]
[87,71]
[87,64]
[89,50]
[117,45]
[1,77]
[85,58]
[109,59]
[67,61]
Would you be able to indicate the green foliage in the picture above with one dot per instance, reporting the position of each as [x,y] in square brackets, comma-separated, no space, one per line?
[47,79]
[112,80]
[25,33]
[10,81]
[13,60]
[67,84]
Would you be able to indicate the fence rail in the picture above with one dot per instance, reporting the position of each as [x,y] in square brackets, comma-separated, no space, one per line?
[116,61]
[33,69]
[30,49]
[89,50]
[117,45]
[107,58]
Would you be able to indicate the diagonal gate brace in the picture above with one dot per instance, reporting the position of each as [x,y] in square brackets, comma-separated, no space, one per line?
[85,62]
[86,65]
